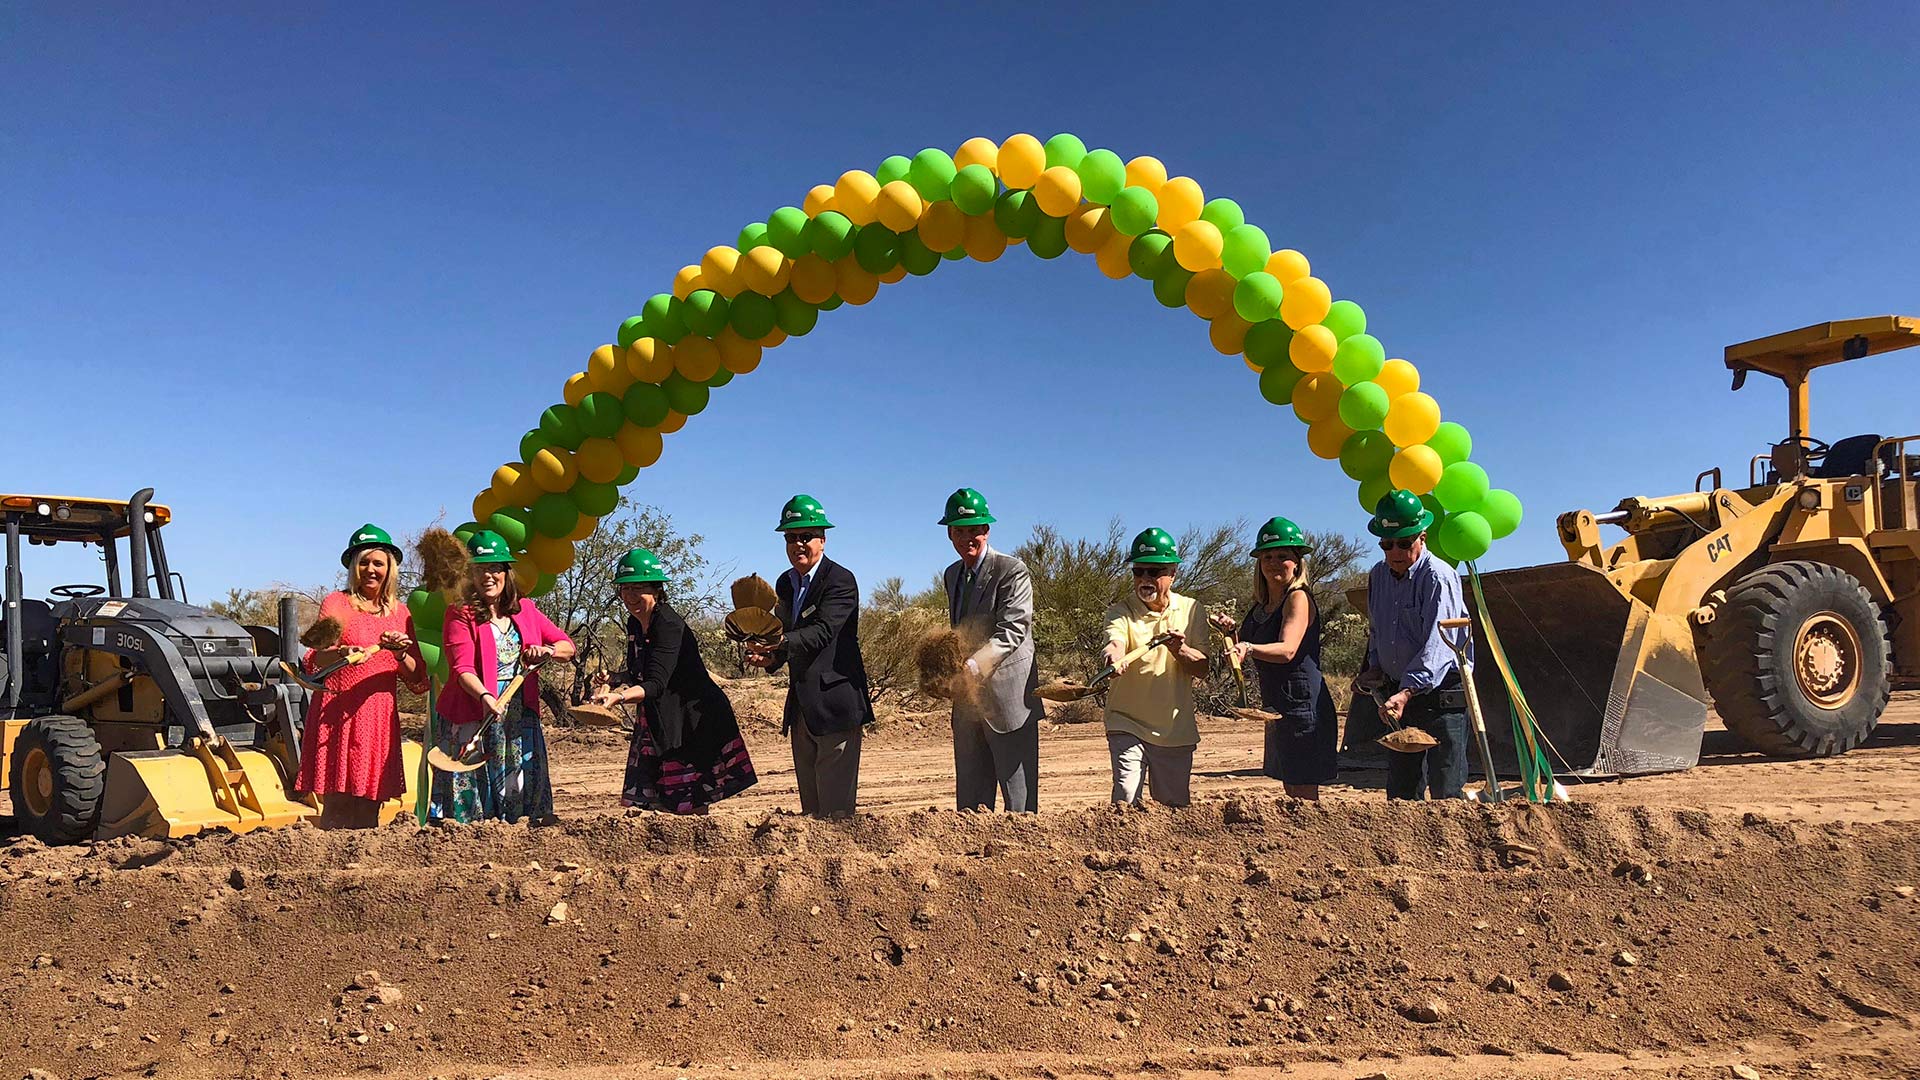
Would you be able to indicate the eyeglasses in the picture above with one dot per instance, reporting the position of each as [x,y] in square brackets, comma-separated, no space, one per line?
[1405,543]
[803,539]
[1151,571]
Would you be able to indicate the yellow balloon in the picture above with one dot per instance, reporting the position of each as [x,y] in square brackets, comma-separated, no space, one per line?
[504,478]
[1210,293]
[819,200]
[1196,246]
[812,279]
[550,555]
[696,358]
[639,447]
[584,529]
[737,354]
[898,206]
[764,270]
[853,283]
[1326,437]
[891,277]
[485,505]
[1253,367]
[674,422]
[1306,302]
[1228,333]
[1317,396]
[978,150]
[984,242]
[525,576]
[1089,228]
[649,361]
[1312,348]
[600,460]
[854,194]
[1288,265]
[1146,172]
[687,280]
[1412,419]
[575,389]
[1112,256]
[1180,202]
[943,227]
[522,493]
[1057,191]
[602,363]
[774,337]
[717,268]
[1416,468]
[1021,158]
[1398,377]
[553,469]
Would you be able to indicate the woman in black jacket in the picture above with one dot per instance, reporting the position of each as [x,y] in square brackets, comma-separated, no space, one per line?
[687,753]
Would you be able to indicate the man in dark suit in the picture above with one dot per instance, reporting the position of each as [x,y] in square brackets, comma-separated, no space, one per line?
[827,702]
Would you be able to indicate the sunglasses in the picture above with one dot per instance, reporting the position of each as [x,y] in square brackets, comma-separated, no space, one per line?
[803,539]
[1151,572]
[1404,543]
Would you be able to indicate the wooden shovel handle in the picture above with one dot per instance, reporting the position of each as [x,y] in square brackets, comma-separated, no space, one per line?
[1454,624]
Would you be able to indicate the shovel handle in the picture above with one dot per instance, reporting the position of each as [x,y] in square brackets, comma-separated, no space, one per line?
[513,687]
[1454,624]
[1127,661]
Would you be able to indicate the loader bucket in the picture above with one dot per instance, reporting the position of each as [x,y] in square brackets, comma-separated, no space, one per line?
[1616,688]
[207,785]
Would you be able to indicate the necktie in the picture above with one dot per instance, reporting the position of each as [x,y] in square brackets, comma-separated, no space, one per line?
[960,603]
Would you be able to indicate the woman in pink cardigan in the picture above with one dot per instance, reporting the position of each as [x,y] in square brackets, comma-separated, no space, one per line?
[486,644]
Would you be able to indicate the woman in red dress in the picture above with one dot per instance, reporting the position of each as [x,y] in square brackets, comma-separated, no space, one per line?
[350,749]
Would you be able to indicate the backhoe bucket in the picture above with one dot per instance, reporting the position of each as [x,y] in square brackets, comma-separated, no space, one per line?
[205,785]
[1616,688]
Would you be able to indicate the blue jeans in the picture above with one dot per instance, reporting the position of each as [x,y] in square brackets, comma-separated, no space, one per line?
[1439,772]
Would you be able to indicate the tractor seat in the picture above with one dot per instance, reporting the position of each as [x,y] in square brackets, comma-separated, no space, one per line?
[1850,457]
[38,629]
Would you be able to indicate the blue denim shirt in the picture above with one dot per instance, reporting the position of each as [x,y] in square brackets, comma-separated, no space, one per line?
[1405,612]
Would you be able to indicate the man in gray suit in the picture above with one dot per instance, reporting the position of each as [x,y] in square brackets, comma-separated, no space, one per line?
[996,714]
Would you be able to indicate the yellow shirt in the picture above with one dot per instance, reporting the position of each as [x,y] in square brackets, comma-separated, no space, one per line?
[1152,700]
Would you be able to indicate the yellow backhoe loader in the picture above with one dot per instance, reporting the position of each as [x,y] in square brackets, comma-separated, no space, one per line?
[1789,600]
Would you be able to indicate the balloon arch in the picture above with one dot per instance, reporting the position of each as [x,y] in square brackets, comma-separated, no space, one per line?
[1310,351]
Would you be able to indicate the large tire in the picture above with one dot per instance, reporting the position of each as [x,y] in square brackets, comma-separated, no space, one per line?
[58,778]
[1797,660]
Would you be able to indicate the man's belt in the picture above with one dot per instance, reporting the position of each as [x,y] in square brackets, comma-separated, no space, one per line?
[1449,696]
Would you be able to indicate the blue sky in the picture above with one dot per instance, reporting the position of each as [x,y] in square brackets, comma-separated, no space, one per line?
[302,269]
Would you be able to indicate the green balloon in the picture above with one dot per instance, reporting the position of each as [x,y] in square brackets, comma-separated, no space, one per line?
[554,515]
[705,312]
[752,316]
[597,500]
[429,610]
[1134,210]
[430,651]
[1462,486]
[793,314]
[1102,175]
[1366,454]
[664,321]
[1358,359]
[787,231]
[466,531]
[1256,297]
[632,329]
[1244,250]
[831,303]
[719,379]
[600,415]
[830,235]
[1501,508]
[1224,214]
[1170,288]
[1150,253]
[893,168]
[686,396]
[1466,535]
[543,585]
[915,255]
[954,254]
[752,236]
[626,476]
[1267,344]
[1277,382]
[931,173]
[1452,443]
[1363,405]
[1345,319]
[532,443]
[512,524]
[1065,149]
[562,427]
[1049,238]
[973,189]
[877,249]
[1372,490]
[1016,213]
[645,404]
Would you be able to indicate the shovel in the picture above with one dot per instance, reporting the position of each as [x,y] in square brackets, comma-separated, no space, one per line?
[1404,740]
[1068,691]
[445,763]
[1459,646]
[318,680]
[1233,661]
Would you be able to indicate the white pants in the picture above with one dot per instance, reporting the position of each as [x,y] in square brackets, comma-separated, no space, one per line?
[1168,770]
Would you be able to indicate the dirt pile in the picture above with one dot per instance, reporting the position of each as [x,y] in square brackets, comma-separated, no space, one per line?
[1273,930]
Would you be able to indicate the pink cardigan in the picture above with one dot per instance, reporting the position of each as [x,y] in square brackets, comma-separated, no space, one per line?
[469,647]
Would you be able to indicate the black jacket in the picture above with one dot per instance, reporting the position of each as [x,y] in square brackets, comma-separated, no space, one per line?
[682,702]
[827,687]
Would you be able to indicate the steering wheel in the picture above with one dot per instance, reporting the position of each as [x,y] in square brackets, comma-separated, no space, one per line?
[1816,448]
[76,592]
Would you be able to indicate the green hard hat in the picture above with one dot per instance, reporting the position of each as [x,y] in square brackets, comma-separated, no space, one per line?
[1154,547]
[639,566]
[369,535]
[803,512]
[967,507]
[1400,513]
[1280,533]
[487,546]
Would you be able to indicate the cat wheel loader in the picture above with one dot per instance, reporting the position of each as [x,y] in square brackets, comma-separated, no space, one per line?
[1789,601]
[134,712]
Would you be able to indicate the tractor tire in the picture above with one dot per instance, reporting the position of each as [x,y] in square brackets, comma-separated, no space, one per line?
[58,778]
[1797,660]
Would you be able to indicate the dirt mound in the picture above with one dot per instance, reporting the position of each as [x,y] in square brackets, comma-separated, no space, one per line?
[1273,930]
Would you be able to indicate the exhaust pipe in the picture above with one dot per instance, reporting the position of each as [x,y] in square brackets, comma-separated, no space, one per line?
[137,540]
[290,630]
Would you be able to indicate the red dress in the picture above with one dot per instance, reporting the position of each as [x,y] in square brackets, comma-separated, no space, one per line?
[351,744]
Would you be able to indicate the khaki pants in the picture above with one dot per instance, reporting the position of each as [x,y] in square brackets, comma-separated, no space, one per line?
[1169,770]
[827,768]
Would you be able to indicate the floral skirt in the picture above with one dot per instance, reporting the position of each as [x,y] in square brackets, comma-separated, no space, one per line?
[680,782]
[513,784]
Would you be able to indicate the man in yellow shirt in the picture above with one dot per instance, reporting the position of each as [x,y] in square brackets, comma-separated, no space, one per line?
[1150,710]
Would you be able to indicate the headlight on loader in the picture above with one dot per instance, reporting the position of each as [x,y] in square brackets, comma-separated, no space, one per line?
[1810,498]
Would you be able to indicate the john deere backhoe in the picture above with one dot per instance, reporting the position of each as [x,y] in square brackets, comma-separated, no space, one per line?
[133,712]
[1790,601]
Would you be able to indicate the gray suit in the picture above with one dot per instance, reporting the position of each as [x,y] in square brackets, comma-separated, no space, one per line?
[996,734]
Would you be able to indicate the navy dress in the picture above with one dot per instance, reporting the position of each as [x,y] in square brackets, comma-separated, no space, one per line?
[686,751]
[1303,746]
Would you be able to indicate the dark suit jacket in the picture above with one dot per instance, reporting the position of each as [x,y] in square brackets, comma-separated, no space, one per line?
[683,702]
[827,681]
